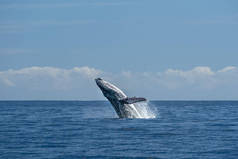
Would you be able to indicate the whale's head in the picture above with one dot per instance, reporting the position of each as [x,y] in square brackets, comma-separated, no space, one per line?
[109,90]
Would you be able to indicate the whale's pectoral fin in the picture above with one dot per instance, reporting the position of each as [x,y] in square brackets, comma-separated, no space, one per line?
[132,100]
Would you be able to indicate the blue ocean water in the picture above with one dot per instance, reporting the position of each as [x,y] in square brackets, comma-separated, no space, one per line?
[91,129]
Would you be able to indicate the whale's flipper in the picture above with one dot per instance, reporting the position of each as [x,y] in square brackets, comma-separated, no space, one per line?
[132,100]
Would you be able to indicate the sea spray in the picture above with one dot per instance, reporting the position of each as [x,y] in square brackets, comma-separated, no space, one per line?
[145,110]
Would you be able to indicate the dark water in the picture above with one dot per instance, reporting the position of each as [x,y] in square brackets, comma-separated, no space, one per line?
[72,130]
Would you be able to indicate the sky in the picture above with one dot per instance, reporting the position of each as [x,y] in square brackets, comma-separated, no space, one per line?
[158,49]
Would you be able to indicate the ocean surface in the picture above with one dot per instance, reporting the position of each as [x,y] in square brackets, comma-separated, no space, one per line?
[91,129]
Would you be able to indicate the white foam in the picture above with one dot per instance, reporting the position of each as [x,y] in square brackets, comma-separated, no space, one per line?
[145,111]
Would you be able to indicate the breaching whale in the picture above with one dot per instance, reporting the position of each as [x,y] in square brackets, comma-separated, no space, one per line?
[122,104]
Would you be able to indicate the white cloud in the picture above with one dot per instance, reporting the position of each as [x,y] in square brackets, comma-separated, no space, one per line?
[39,77]
[228,69]
[88,72]
[78,83]
[202,76]
[7,82]
[197,71]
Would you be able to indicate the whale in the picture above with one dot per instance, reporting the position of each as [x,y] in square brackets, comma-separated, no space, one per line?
[123,105]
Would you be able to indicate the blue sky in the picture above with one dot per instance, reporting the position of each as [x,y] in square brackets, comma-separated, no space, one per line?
[121,41]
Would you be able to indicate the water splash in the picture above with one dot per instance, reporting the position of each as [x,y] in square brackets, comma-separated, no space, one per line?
[145,110]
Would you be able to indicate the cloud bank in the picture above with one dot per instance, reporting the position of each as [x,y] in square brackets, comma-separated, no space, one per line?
[40,83]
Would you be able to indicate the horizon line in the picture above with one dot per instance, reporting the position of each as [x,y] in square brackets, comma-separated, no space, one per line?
[154,100]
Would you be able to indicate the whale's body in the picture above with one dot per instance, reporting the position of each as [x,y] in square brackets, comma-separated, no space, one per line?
[123,105]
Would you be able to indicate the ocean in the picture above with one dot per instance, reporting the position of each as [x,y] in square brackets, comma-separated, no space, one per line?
[91,129]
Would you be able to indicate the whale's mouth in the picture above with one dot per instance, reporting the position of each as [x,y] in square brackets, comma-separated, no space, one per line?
[98,79]
[99,82]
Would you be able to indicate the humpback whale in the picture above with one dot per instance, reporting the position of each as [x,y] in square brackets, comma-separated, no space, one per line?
[123,105]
